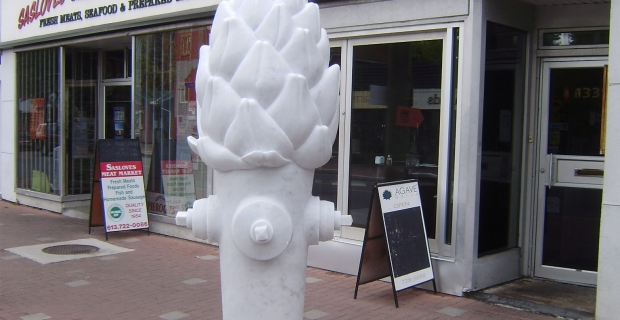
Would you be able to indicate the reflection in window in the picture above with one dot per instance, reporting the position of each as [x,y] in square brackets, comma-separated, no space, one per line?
[575,100]
[572,228]
[576,38]
[116,64]
[502,130]
[165,115]
[395,122]
[453,117]
[117,109]
[38,121]
[326,177]
[81,74]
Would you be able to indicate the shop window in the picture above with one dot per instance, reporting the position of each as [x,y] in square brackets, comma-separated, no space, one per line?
[81,74]
[117,64]
[165,115]
[396,122]
[38,121]
[449,227]
[326,177]
[502,142]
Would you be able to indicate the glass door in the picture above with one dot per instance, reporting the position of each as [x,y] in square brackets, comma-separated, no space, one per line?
[117,108]
[570,171]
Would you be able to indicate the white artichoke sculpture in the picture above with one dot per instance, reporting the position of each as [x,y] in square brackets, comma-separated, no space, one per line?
[265,92]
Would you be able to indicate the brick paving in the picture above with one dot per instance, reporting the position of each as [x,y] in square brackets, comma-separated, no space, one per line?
[169,278]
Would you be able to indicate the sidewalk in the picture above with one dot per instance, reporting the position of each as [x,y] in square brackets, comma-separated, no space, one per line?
[169,278]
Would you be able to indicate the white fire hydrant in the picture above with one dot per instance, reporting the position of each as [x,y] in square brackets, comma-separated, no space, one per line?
[267,117]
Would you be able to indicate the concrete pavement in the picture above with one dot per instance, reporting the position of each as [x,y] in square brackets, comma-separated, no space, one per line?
[169,278]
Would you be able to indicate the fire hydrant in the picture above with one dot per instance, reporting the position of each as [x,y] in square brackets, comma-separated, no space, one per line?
[267,118]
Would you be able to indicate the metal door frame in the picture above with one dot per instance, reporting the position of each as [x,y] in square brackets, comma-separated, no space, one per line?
[547,168]
[101,112]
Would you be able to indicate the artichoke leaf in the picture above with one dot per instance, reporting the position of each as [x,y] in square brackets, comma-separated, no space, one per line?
[261,75]
[310,20]
[224,11]
[254,130]
[276,28]
[253,12]
[230,48]
[316,151]
[217,156]
[301,45]
[325,94]
[294,110]
[224,105]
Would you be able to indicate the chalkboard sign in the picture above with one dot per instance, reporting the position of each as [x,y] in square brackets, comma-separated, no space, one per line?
[118,200]
[395,242]
[113,150]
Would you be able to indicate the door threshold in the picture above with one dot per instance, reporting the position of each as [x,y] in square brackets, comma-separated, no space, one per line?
[542,297]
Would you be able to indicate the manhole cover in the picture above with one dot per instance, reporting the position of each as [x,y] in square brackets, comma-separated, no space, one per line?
[67,249]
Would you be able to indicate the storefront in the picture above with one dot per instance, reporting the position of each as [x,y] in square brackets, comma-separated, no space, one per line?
[491,105]
[136,81]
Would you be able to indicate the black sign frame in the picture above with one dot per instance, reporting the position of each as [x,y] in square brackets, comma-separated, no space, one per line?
[376,260]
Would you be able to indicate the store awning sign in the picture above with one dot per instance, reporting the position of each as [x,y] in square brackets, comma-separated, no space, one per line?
[27,21]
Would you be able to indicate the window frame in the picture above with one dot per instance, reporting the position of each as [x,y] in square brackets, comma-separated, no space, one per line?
[438,246]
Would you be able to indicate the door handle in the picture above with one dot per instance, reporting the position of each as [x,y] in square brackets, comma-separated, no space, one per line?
[550,170]
[597,173]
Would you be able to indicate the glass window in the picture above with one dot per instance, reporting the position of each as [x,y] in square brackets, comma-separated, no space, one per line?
[575,97]
[576,38]
[115,64]
[165,115]
[502,142]
[326,177]
[449,227]
[81,74]
[395,122]
[117,108]
[38,124]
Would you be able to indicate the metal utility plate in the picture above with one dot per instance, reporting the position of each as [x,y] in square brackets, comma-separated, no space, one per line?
[36,253]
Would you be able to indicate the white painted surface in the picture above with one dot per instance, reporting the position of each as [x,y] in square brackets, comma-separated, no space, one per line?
[503,266]
[35,200]
[383,12]
[608,289]
[468,147]
[496,268]
[8,165]
[336,256]
[611,184]
[575,16]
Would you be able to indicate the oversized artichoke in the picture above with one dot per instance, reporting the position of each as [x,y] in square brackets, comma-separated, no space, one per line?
[265,92]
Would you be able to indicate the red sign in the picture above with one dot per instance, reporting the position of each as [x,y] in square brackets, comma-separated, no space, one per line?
[37,9]
[121,169]
[409,117]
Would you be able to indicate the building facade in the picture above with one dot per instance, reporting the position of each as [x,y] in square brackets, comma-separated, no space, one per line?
[503,111]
